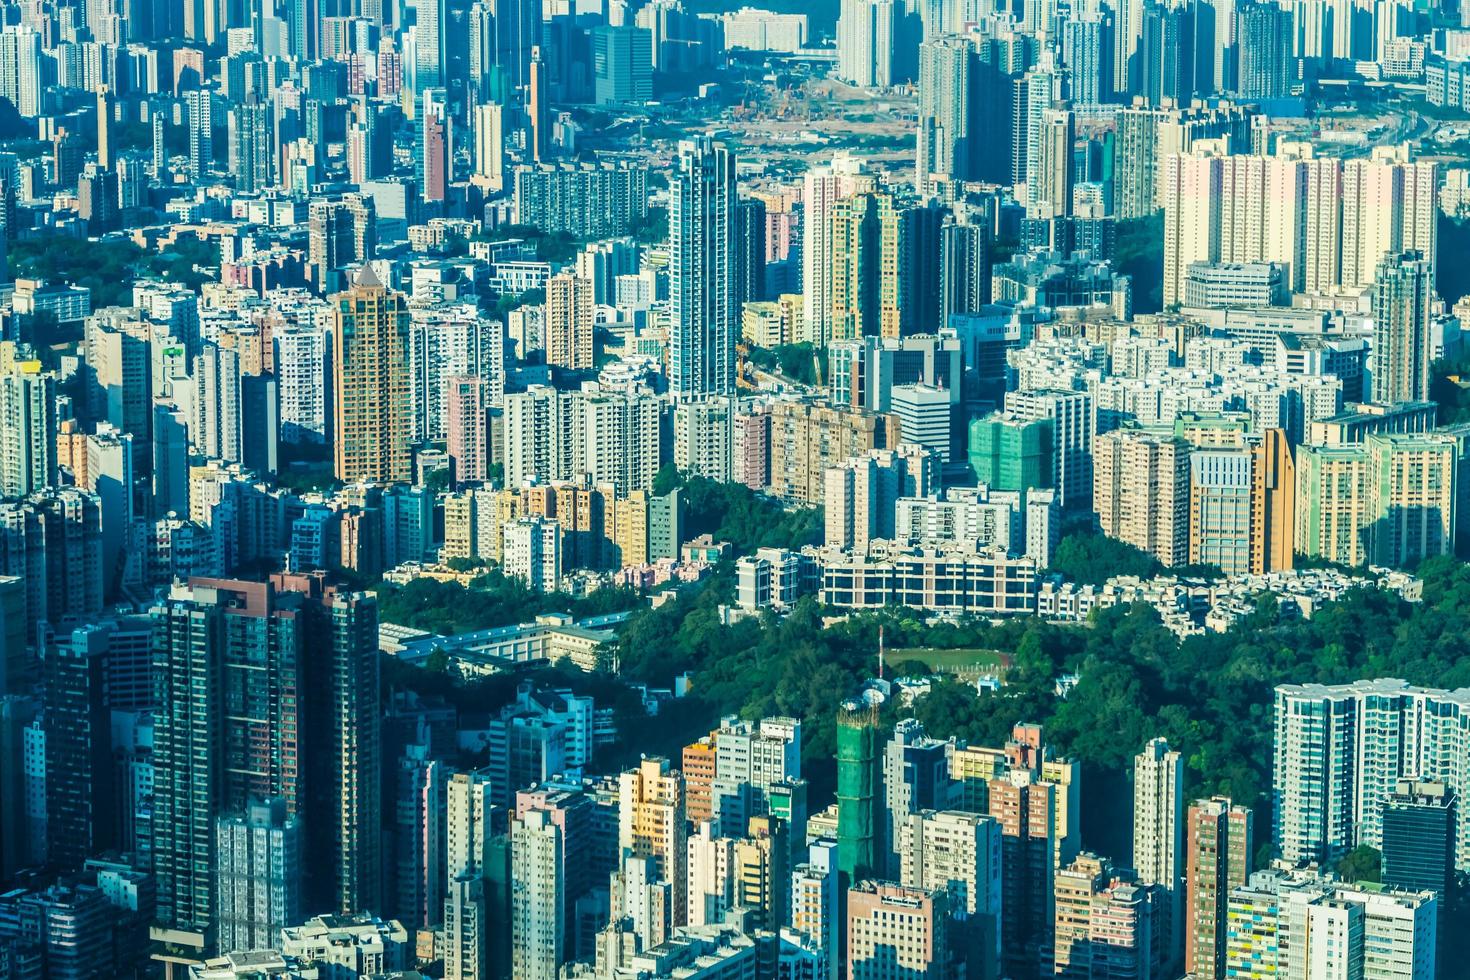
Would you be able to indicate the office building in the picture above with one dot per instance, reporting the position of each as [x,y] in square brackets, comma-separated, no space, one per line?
[1419,837]
[622,65]
[893,930]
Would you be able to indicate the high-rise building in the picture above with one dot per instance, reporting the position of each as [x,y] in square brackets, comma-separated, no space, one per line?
[962,103]
[1263,33]
[652,825]
[860,846]
[1049,185]
[897,931]
[27,429]
[1104,925]
[1403,291]
[1140,492]
[1027,809]
[568,325]
[229,670]
[372,414]
[434,149]
[865,266]
[960,853]
[538,107]
[867,43]
[1073,429]
[1419,837]
[622,65]
[915,778]
[1013,453]
[703,313]
[1302,923]
[814,901]
[822,188]
[532,552]
[200,103]
[467,421]
[258,880]
[538,925]
[250,147]
[1158,832]
[81,794]
[1340,752]
[1218,855]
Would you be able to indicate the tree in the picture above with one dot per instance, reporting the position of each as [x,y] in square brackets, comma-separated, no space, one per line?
[1362,863]
[1091,558]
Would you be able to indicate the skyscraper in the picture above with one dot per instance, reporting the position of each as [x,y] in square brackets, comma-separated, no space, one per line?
[1140,492]
[467,407]
[704,317]
[1051,197]
[1263,41]
[1219,851]
[860,847]
[538,924]
[568,326]
[228,666]
[435,146]
[200,103]
[1158,829]
[865,266]
[250,146]
[27,429]
[1403,289]
[822,188]
[652,824]
[373,418]
[80,793]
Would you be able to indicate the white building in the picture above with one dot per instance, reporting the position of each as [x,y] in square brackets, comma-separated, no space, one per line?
[532,549]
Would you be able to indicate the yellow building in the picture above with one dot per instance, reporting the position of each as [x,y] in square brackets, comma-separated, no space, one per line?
[373,420]
[569,322]
[865,255]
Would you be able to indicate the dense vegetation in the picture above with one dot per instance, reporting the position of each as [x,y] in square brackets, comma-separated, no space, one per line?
[1210,695]
[733,512]
[108,267]
[493,599]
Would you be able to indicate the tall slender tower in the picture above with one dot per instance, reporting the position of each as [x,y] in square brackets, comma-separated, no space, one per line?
[859,792]
[1158,828]
[373,416]
[538,107]
[1402,292]
[703,312]
[227,664]
[1219,845]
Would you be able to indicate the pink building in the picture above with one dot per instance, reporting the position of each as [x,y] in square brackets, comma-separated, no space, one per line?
[468,401]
